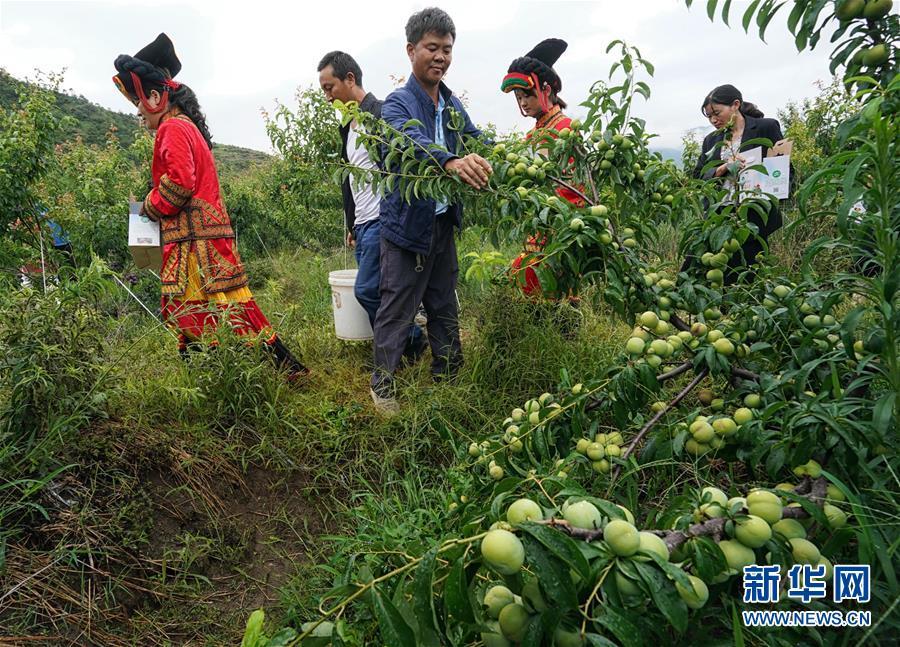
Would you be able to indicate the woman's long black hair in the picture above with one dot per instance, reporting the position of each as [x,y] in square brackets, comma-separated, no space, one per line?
[185,99]
[727,94]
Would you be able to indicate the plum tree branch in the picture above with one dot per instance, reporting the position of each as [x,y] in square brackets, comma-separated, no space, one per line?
[675,372]
[679,323]
[652,422]
[662,377]
[572,531]
[744,374]
[571,188]
[715,528]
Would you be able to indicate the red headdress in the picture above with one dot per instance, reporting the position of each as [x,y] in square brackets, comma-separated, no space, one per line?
[535,69]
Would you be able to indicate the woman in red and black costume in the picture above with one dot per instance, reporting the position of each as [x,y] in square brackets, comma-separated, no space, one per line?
[202,273]
[537,86]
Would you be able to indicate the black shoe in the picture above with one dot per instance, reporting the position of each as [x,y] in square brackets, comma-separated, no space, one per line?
[449,375]
[284,359]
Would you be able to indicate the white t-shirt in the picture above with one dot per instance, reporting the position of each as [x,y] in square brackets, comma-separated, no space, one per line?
[728,151]
[368,204]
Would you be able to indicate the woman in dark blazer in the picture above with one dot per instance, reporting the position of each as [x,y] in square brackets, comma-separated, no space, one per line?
[737,121]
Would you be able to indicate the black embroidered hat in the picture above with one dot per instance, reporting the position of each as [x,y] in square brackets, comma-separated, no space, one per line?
[156,62]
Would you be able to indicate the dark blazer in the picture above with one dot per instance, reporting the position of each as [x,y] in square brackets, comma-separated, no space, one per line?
[754,128]
[373,106]
[409,225]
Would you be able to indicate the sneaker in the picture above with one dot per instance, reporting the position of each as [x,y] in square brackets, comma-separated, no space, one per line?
[386,405]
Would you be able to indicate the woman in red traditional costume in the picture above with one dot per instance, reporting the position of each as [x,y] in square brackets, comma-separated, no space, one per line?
[202,273]
[537,86]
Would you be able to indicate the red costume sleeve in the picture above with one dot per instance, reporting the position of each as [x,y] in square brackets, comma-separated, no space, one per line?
[174,159]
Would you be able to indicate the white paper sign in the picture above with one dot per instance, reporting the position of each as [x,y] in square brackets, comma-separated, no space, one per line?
[143,239]
[778,180]
[857,211]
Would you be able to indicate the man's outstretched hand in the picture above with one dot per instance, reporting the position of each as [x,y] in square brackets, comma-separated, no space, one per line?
[472,169]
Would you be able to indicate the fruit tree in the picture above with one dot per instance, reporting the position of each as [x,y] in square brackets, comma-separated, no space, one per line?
[781,391]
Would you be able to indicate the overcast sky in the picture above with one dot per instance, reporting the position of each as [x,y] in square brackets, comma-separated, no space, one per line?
[243,56]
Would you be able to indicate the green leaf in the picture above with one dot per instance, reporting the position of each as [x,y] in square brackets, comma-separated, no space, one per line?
[737,626]
[664,596]
[621,627]
[539,440]
[393,628]
[711,9]
[848,328]
[720,236]
[546,277]
[775,461]
[765,17]
[283,638]
[884,412]
[551,572]
[672,571]
[872,544]
[423,599]
[707,558]
[253,632]
[562,546]
[811,508]
[748,14]
[534,634]
[456,593]
[726,11]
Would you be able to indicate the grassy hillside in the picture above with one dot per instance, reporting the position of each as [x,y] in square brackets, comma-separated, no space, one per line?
[94,122]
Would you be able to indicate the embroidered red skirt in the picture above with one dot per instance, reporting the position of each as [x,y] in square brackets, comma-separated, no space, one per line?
[198,311]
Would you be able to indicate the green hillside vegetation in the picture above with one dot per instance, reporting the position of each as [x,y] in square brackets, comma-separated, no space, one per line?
[94,123]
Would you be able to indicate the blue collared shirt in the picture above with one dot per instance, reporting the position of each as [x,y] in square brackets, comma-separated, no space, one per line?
[439,207]
[409,223]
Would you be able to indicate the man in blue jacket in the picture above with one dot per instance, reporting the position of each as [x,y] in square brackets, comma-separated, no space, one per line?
[340,78]
[418,249]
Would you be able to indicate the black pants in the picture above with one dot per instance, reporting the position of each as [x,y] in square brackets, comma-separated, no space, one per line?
[408,279]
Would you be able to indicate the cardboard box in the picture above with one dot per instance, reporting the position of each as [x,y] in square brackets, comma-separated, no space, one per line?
[143,239]
[783,147]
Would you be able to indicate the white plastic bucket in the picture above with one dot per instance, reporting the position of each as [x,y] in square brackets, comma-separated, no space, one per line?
[351,321]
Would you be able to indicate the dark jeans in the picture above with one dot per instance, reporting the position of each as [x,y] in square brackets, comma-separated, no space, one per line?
[408,279]
[368,278]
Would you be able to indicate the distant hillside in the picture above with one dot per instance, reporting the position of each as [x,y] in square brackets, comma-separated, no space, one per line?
[673,154]
[94,121]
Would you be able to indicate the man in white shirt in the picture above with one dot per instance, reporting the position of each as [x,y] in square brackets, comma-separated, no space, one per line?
[340,78]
